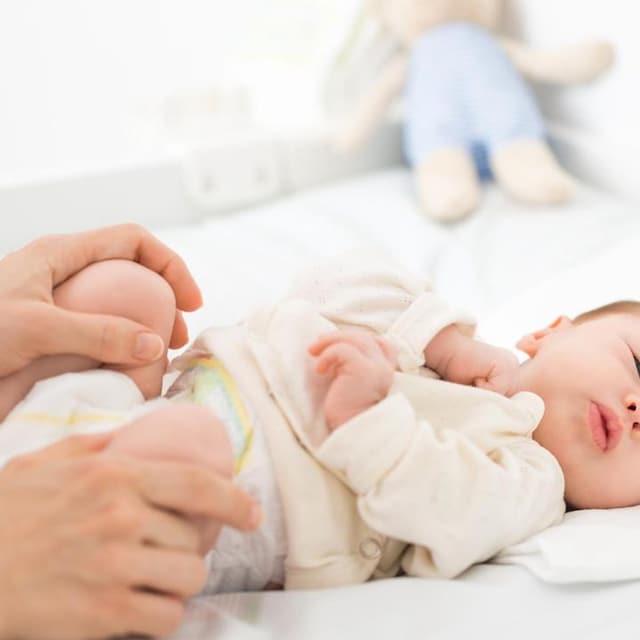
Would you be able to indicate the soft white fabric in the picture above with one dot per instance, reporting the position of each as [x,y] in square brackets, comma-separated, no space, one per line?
[589,546]
[73,403]
[244,561]
[240,561]
[609,275]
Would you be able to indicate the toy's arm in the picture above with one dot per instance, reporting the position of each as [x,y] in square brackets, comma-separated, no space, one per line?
[565,65]
[373,106]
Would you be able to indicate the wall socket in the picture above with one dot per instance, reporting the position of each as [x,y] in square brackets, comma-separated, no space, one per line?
[232,175]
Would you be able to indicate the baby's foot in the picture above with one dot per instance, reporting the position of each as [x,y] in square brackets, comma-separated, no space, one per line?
[181,433]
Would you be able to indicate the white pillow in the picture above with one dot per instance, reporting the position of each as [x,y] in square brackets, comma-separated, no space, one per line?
[588,546]
[595,545]
[609,276]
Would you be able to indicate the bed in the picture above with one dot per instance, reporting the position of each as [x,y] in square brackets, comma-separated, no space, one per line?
[515,268]
[511,266]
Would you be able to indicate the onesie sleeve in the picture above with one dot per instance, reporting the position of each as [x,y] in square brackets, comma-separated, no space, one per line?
[455,504]
[367,290]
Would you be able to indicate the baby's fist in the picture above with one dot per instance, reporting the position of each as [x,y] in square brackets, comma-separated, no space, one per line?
[501,368]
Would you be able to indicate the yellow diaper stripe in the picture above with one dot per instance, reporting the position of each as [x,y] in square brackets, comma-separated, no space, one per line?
[69,420]
[219,372]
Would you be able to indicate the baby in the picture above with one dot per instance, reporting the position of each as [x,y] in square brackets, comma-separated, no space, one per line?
[378,434]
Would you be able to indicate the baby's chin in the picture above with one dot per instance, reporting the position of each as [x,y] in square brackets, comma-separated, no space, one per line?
[593,496]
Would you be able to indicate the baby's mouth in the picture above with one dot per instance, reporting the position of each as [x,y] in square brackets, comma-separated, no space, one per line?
[606,430]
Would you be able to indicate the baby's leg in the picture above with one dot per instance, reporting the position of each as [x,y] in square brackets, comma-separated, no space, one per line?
[114,287]
[181,433]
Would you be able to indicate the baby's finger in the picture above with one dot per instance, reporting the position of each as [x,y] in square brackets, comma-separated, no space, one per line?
[497,385]
[361,340]
[320,344]
[482,383]
[336,356]
[326,340]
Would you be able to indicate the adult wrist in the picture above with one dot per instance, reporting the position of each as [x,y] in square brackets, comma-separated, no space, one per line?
[5,624]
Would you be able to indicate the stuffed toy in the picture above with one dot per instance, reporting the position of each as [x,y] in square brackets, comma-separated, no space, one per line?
[470,115]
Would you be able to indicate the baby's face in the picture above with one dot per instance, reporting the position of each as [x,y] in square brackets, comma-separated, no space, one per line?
[589,378]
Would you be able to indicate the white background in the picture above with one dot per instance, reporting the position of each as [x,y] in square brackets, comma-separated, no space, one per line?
[94,83]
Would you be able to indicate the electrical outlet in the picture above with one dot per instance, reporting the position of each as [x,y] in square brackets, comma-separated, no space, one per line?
[232,175]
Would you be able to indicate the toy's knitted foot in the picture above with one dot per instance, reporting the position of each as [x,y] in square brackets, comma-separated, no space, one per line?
[528,170]
[448,184]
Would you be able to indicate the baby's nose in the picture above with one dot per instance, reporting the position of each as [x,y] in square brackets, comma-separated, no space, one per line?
[632,403]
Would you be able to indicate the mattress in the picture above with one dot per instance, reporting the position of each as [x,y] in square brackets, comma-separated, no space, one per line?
[497,255]
[501,603]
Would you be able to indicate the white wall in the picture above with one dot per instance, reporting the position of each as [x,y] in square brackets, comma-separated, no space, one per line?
[95,84]
[598,125]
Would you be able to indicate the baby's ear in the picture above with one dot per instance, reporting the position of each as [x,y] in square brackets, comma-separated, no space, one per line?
[530,344]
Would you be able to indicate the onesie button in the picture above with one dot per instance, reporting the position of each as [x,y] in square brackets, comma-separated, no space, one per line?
[370,549]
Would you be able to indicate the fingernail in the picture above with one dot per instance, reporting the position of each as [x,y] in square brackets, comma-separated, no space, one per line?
[255,516]
[148,347]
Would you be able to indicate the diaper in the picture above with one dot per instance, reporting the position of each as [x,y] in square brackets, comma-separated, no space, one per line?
[240,561]
[70,404]
[101,400]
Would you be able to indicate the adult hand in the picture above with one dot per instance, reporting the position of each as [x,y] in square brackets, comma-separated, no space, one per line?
[91,543]
[32,326]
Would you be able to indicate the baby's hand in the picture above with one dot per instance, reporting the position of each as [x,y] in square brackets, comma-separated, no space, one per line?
[360,366]
[461,359]
[494,369]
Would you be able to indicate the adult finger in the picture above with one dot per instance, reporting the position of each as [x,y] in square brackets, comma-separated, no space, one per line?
[101,337]
[197,491]
[173,572]
[71,447]
[180,335]
[69,254]
[169,531]
[138,612]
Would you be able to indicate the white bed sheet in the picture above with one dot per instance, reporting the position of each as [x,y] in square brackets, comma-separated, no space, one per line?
[504,249]
[501,603]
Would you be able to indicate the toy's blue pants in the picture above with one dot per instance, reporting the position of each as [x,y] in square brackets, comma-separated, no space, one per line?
[463,91]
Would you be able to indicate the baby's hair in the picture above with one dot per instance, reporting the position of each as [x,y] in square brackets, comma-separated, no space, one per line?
[622,306]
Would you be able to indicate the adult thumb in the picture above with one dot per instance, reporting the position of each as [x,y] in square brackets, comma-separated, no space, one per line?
[104,338]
